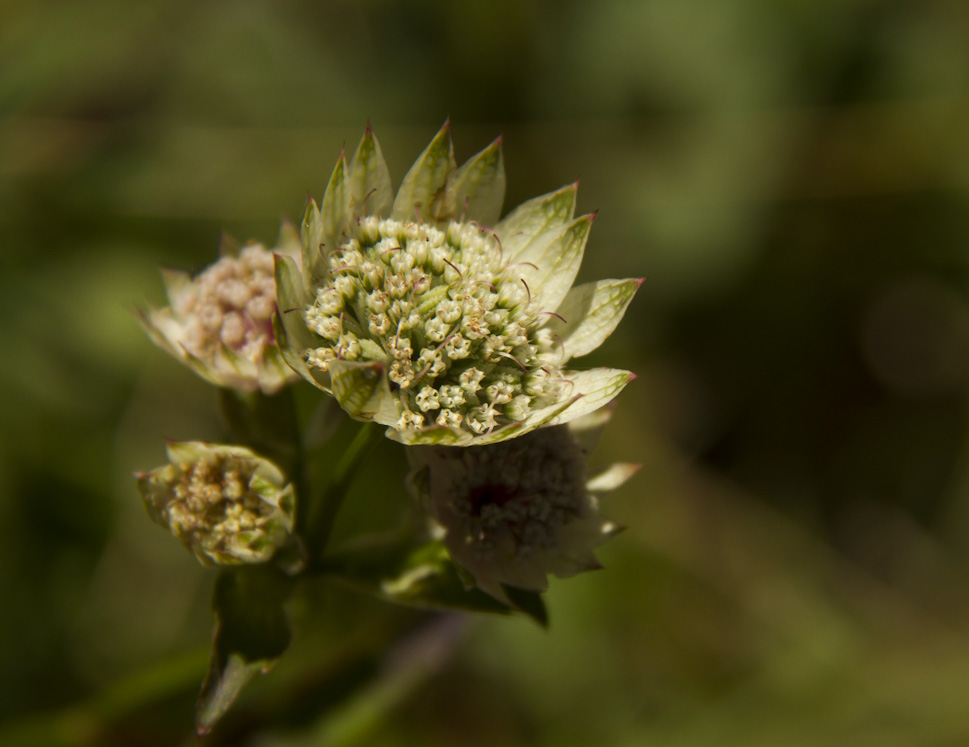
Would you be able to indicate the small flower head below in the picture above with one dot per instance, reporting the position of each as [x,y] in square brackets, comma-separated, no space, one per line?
[228,505]
[515,511]
[415,313]
[220,322]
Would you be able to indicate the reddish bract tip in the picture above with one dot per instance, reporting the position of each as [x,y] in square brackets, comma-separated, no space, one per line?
[497,141]
[639,282]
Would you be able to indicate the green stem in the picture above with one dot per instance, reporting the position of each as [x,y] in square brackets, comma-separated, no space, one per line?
[269,424]
[322,514]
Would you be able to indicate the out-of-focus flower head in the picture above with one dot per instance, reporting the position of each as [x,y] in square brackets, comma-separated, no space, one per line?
[426,313]
[219,322]
[227,504]
[516,511]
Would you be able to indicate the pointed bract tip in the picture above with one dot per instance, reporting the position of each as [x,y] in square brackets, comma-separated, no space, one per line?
[447,124]
[368,130]
[593,215]
[498,141]
[228,246]
[639,282]
[575,185]
[632,377]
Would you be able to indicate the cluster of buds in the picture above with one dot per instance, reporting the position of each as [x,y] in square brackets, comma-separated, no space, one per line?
[220,322]
[228,505]
[459,330]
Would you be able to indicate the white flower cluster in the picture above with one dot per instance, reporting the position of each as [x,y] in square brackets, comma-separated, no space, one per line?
[427,314]
[454,325]
[231,303]
[539,488]
[515,511]
[226,504]
[220,322]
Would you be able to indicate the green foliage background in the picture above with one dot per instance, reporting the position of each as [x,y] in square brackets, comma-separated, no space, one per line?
[792,179]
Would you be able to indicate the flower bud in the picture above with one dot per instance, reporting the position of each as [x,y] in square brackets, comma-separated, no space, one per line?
[227,504]
[219,322]
[514,512]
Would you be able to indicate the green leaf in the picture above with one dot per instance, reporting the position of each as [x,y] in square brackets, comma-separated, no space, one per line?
[424,577]
[177,284]
[527,602]
[289,238]
[311,239]
[435,435]
[362,391]
[333,214]
[592,389]
[590,313]
[370,192]
[251,633]
[422,191]
[292,334]
[476,191]
[550,268]
[536,222]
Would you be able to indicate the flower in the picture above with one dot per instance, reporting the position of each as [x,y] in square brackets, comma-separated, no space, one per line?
[227,504]
[515,511]
[219,323]
[416,314]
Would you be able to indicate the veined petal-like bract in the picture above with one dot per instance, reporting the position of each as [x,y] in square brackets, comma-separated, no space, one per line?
[425,313]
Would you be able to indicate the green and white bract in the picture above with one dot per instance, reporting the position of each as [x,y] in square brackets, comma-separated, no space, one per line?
[514,512]
[416,314]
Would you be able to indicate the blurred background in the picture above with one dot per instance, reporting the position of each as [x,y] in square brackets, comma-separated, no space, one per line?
[791,178]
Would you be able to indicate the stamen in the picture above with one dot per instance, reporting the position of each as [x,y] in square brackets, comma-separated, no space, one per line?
[509,355]
[453,267]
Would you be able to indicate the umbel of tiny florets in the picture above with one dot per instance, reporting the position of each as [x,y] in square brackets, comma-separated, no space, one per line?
[219,322]
[227,504]
[426,314]
[516,511]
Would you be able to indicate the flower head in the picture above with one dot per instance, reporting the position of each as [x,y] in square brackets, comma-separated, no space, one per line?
[220,322]
[227,504]
[515,511]
[425,313]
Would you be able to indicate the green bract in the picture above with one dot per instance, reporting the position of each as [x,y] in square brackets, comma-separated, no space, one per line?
[219,323]
[425,313]
[227,504]
[513,512]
